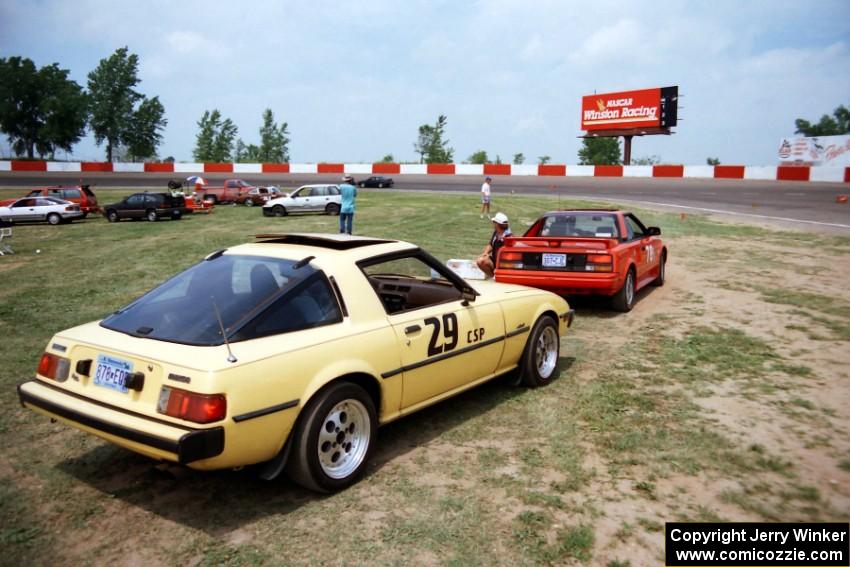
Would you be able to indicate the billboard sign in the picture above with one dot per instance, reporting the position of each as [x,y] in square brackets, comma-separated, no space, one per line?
[646,108]
[821,150]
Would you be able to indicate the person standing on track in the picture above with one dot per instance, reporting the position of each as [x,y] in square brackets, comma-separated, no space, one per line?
[485,197]
[348,191]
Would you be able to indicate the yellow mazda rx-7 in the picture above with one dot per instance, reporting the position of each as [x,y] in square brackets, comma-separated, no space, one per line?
[289,352]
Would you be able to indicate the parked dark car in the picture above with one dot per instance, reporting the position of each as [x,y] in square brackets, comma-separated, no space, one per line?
[150,206]
[377,181]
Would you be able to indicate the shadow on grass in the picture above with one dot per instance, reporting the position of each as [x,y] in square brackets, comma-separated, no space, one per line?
[221,501]
[599,306]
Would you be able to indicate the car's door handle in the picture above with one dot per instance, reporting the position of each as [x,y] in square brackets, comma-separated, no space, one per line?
[411,330]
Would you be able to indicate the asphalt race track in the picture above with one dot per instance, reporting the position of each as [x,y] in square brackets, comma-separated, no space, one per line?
[803,205]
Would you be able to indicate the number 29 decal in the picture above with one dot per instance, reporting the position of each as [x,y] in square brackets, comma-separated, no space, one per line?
[449,332]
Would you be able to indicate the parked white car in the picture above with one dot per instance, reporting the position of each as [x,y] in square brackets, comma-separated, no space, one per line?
[316,198]
[36,209]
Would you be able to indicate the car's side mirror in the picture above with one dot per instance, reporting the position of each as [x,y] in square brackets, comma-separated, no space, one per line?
[653,231]
[468,296]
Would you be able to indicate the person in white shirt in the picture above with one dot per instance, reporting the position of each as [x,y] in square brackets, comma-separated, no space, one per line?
[485,197]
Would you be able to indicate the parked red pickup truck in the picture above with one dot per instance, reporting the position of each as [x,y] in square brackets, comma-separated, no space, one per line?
[233,190]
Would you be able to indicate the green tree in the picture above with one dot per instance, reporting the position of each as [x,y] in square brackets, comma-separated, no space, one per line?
[145,134]
[479,157]
[387,159]
[835,125]
[599,151]
[114,106]
[519,159]
[543,160]
[249,153]
[647,160]
[274,140]
[215,139]
[712,161]
[431,145]
[41,110]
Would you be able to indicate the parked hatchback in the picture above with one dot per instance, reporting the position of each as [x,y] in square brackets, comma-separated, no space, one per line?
[150,206]
[79,194]
[38,209]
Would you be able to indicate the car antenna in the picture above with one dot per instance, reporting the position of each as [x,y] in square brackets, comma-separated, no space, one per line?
[230,357]
[303,262]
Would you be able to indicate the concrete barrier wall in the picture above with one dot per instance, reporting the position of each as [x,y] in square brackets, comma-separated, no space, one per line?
[777,173]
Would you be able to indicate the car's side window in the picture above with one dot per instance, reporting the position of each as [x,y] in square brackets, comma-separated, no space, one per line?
[135,200]
[409,282]
[25,203]
[636,230]
[43,203]
[311,304]
[333,190]
[71,194]
[52,193]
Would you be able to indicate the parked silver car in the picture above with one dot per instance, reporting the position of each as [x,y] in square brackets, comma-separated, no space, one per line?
[36,209]
[316,198]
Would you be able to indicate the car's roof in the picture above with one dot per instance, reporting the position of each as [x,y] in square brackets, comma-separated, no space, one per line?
[566,212]
[299,245]
[317,185]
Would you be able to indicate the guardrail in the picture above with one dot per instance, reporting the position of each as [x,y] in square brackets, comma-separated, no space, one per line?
[773,173]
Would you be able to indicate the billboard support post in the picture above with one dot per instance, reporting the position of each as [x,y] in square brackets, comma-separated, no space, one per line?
[627,150]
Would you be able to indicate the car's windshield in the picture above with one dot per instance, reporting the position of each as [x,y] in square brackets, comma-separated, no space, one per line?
[243,289]
[587,225]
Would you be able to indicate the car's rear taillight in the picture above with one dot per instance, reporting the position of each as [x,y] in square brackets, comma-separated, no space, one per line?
[54,367]
[200,408]
[599,263]
[510,260]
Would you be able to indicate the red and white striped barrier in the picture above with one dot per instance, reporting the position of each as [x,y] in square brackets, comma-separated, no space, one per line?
[773,173]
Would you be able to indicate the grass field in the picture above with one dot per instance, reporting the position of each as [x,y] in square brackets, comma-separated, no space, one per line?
[722,396]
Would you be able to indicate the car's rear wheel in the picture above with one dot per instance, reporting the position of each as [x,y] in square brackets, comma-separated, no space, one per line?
[112,215]
[84,215]
[332,209]
[333,438]
[176,215]
[279,211]
[624,299]
[540,358]
[151,215]
[662,271]
[54,218]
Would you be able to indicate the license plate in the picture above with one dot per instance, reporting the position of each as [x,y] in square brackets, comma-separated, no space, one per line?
[111,372]
[554,260]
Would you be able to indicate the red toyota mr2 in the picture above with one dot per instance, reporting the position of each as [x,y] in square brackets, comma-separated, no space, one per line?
[588,251]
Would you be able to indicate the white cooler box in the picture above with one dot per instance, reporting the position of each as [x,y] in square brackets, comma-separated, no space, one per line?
[467,269]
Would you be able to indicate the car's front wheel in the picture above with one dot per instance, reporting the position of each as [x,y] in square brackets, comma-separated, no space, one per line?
[279,211]
[151,215]
[332,209]
[540,358]
[662,271]
[333,438]
[112,215]
[249,202]
[380,185]
[54,218]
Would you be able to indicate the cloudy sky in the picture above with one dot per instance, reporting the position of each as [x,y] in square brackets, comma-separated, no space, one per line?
[354,80]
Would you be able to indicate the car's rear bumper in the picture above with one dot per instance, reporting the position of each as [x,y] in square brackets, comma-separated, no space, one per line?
[564,283]
[148,436]
[73,215]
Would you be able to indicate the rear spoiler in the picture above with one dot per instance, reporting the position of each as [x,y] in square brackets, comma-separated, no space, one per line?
[560,242]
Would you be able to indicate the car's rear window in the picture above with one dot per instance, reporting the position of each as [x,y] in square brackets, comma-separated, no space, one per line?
[255,296]
[585,225]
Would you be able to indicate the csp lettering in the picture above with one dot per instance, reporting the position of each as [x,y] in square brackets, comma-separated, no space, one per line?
[475,335]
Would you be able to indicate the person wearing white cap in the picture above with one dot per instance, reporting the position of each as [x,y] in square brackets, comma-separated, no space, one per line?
[487,260]
[485,196]
[348,191]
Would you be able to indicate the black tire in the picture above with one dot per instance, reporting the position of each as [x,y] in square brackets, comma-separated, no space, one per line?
[324,457]
[624,299]
[112,215]
[662,271]
[151,215]
[361,185]
[539,363]
[380,185]
[84,215]
[211,199]
[249,202]
[332,209]
[176,215]
[54,219]
[279,211]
